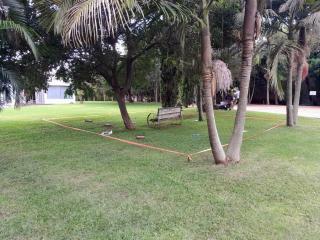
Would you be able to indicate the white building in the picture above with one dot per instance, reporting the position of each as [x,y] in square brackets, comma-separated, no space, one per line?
[55,93]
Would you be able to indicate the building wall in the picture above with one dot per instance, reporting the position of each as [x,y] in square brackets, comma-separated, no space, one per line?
[55,94]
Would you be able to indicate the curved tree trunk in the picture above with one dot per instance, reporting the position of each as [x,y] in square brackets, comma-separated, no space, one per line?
[233,152]
[206,55]
[120,96]
[289,92]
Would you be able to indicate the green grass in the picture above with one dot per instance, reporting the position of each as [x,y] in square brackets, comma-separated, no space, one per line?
[57,183]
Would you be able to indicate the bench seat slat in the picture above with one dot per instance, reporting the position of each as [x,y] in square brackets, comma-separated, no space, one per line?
[167,114]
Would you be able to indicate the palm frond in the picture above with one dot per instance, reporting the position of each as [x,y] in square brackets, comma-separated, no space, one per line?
[292,6]
[280,51]
[272,74]
[13,10]
[24,31]
[89,20]
[222,75]
[58,15]
[52,13]
[313,20]
[86,20]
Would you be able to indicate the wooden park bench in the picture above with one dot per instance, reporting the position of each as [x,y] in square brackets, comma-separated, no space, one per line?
[164,114]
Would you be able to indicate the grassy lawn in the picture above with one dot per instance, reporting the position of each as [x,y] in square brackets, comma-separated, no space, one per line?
[57,183]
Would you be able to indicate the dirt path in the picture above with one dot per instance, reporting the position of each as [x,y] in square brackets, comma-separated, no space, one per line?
[304,111]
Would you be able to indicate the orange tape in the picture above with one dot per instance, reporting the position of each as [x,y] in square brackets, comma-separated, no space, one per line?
[189,156]
[267,130]
[121,140]
[244,139]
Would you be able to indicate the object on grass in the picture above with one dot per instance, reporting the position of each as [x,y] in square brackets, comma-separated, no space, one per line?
[109,125]
[106,133]
[88,120]
[195,136]
[140,137]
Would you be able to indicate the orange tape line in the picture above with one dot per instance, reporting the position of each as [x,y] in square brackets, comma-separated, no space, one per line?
[121,140]
[189,156]
[244,139]
[267,130]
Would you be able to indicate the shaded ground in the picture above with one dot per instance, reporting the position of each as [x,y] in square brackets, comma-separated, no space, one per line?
[61,184]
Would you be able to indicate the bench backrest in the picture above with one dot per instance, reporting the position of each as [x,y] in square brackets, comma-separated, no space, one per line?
[169,113]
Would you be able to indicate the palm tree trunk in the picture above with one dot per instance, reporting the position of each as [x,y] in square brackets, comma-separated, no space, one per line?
[268,92]
[206,55]
[199,103]
[297,93]
[233,152]
[301,60]
[289,92]
[276,100]
[120,96]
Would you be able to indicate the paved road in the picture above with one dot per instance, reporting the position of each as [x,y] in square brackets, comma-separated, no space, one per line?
[304,111]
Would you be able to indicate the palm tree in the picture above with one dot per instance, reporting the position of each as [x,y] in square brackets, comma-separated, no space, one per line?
[85,22]
[13,22]
[249,34]
[295,9]
[248,38]
[207,75]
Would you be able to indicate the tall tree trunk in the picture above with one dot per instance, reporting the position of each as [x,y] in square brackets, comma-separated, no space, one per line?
[199,103]
[156,90]
[170,66]
[297,93]
[130,96]
[233,152]
[289,91]
[268,92]
[276,100]
[120,96]
[302,41]
[129,72]
[170,83]
[253,90]
[160,97]
[206,55]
